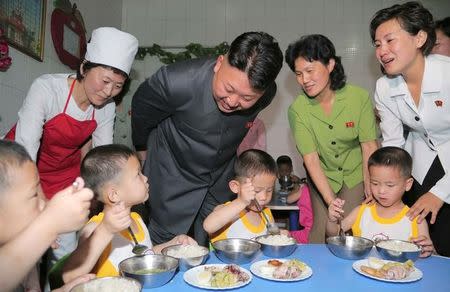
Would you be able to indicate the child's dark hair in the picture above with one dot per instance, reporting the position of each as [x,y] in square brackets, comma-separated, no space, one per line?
[284,159]
[103,164]
[12,156]
[392,157]
[317,47]
[253,162]
[412,16]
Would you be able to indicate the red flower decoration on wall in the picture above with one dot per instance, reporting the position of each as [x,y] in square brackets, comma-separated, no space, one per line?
[5,59]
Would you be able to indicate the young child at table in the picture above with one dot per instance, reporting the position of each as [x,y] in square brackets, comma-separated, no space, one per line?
[285,168]
[27,228]
[113,172]
[385,218]
[255,175]
[299,194]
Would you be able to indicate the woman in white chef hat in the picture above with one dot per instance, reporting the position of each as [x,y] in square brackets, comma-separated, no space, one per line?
[61,112]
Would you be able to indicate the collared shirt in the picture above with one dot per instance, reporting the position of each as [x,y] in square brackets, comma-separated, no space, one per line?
[337,137]
[429,123]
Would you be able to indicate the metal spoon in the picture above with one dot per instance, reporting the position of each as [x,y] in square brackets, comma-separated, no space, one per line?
[138,249]
[272,228]
[341,233]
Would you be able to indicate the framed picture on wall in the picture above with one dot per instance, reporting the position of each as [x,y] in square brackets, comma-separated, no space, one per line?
[23,22]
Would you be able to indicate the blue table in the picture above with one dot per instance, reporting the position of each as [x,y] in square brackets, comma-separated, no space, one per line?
[332,274]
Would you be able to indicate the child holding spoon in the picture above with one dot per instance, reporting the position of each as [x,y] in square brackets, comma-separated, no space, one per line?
[29,225]
[114,174]
[255,175]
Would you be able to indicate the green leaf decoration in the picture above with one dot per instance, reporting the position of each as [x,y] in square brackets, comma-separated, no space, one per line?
[192,50]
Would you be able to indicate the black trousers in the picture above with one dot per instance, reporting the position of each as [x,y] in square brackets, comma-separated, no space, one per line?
[159,234]
[440,230]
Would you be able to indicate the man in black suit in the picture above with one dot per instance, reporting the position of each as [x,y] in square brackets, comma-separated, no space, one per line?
[188,120]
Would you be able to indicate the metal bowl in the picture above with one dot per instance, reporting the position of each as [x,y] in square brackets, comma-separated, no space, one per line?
[276,251]
[396,254]
[350,247]
[113,284]
[236,250]
[134,268]
[185,263]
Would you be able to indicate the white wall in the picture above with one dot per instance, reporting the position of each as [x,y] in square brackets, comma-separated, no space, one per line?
[15,82]
[210,22]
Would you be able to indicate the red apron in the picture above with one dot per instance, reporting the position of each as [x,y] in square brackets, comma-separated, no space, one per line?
[59,155]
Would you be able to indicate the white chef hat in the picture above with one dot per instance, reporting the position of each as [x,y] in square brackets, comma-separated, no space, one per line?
[112,47]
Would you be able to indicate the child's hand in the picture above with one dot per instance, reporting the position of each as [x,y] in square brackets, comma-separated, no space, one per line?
[284,232]
[425,243]
[68,210]
[184,239]
[82,279]
[335,211]
[117,218]
[295,179]
[247,192]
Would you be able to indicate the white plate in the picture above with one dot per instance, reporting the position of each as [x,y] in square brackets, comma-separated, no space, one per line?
[415,275]
[256,267]
[190,277]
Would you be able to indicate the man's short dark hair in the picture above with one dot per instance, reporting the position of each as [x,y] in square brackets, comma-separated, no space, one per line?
[259,56]
[412,16]
[103,164]
[392,157]
[12,156]
[254,162]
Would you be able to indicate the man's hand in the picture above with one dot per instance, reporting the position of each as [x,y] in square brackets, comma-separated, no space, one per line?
[184,239]
[427,203]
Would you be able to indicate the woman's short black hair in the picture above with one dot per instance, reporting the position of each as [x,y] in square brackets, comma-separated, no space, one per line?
[89,65]
[412,17]
[317,47]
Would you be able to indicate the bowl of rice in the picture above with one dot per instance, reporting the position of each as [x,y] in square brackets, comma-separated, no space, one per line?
[189,256]
[151,270]
[277,246]
[112,284]
[398,250]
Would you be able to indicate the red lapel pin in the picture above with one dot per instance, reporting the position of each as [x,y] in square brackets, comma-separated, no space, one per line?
[349,124]
[248,125]
[438,103]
